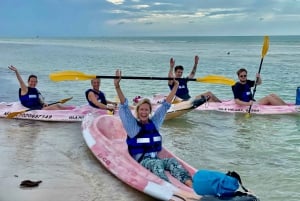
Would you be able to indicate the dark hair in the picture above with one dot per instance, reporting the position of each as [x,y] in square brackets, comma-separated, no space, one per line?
[178,68]
[240,71]
[32,76]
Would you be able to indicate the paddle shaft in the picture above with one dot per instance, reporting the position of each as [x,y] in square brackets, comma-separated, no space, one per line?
[143,78]
[254,90]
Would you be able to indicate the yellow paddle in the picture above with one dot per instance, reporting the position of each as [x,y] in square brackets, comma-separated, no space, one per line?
[263,53]
[13,114]
[76,75]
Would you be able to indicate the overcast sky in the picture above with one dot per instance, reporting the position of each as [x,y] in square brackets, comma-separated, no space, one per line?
[80,18]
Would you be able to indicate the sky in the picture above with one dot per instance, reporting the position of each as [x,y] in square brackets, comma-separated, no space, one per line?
[97,18]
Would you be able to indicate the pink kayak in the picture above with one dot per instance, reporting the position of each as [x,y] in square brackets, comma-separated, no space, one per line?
[73,114]
[231,107]
[106,138]
[76,113]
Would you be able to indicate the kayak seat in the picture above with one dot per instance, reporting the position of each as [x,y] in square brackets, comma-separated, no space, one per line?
[114,131]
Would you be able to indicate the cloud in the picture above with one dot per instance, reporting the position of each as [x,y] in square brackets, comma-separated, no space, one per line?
[116,2]
[148,16]
[140,6]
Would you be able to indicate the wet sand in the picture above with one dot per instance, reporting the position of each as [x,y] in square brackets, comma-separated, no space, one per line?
[56,154]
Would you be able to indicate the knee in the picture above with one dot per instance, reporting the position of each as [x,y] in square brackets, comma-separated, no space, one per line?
[273,96]
[173,161]
[159,165]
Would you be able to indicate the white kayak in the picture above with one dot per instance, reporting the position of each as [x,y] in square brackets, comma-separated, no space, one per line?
[106,138]
[230,107]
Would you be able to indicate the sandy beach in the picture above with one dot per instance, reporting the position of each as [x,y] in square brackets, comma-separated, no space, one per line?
[56,154]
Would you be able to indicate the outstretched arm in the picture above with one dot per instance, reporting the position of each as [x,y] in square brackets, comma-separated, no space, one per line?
[171,95]
[193,72]
[171,70]
[117,86]
[23,86]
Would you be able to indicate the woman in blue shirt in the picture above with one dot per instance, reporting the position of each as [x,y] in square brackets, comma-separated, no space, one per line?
[144,140]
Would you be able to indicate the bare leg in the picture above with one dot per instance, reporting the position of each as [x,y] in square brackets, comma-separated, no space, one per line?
[56,107]
[213,98]
[271,99]
[189,183]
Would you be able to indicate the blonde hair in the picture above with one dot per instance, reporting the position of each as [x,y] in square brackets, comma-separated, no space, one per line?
[143,101]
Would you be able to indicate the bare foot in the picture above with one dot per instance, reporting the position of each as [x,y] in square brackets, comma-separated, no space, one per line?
[189,183]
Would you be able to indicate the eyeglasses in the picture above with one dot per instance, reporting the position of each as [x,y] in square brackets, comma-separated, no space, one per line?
[242,75]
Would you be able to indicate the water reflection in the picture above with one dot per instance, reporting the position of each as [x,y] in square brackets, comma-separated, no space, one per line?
[21,137]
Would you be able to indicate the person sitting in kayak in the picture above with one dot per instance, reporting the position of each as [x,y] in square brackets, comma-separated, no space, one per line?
[143,138]
[96,98]
[30,96]
[183,91]
[243,95]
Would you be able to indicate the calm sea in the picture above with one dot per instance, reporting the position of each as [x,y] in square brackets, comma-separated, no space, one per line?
[263,149]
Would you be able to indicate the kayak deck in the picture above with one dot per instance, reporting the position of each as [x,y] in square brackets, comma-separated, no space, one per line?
[229,106]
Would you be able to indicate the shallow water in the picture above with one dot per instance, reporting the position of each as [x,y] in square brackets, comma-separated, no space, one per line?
[263,149]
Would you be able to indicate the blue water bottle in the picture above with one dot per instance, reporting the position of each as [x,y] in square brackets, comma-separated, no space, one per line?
[298,96]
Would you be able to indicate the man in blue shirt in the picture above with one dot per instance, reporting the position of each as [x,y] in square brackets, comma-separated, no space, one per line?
[183,91]
[243,95]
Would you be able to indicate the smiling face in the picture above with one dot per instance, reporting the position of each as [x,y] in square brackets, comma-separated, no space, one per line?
[95,84]
[178,71]
[143,110]
[242,74]
[32,81]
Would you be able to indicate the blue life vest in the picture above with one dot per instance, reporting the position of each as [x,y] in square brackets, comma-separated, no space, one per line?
[101,97]
[146,141]
[31,99]
[182,91]
[208,182]
[243,91]
[298,96]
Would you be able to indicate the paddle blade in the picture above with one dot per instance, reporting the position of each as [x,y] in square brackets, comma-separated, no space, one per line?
[265,46]
[247,115]
[14,114]
[65,100]
[216,79]
[70,76]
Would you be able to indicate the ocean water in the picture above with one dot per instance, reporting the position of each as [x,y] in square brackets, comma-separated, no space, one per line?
[263,149]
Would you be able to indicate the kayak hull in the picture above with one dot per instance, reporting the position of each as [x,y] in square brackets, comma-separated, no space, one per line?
[229,106]
[73,114]
[106,138]
[76,113]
